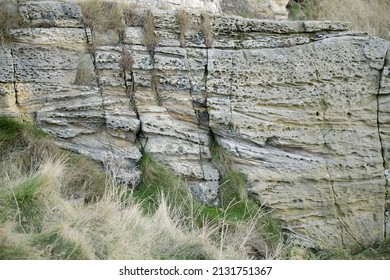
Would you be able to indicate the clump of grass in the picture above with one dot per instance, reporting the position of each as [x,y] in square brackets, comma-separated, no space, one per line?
[158,220]
[237,205]
[206,29]
[100,15]
[155,85]
[185,23]
[61,243]
[131,17]
[150,38]
[25,145]
[370,16]
[13,245]
[126,61]
[85,76]
[156,179]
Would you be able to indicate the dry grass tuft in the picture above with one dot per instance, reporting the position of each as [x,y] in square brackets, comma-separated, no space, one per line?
[130,15]
[126,61]
[185,23]
[85,77]
[45,213]
[100,15]
[206,29]
[150,38]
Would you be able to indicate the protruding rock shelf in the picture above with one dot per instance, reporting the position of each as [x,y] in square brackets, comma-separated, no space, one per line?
[301,106]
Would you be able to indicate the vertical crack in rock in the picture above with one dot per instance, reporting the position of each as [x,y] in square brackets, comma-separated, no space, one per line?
[15,83]
[386,219]
[89,35]
[231,107]
[200,145]
[130,93]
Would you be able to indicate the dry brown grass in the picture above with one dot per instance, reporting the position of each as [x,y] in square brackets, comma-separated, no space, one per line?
[130,15]
[55,208]
[206,29]
[126,61]
[185,23]
[150,38]
[371,16]
[100,15]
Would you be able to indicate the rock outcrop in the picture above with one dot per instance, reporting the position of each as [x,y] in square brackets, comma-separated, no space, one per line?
[302,107]
[264,9]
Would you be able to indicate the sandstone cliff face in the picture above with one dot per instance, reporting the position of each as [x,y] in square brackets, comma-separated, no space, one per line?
[301,106]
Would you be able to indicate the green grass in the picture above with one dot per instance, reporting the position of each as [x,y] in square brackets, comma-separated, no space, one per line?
[24,204]
[14,246]
[57,208]
[55,246]
[235,204]
[63,206]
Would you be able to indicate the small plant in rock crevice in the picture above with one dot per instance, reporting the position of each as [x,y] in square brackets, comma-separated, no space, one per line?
[126,61]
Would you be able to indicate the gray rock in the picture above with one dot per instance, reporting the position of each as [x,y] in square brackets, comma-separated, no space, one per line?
[51,13]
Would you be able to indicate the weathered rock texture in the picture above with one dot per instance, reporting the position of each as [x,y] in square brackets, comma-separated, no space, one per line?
[265,9]
[301,106]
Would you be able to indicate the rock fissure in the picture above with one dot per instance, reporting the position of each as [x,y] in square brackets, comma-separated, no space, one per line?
[196,113]
[382,150]
[14,83]
[90,41]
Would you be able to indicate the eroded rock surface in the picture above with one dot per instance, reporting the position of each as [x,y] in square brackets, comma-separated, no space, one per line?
[301,106]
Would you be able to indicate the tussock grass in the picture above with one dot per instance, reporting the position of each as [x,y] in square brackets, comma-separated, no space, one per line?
[130,15]
[150,38]
[102,15]
[185,23]
[56,208]
[205,26]
[40,219]
[85,76]
[371,16]
[126,61]
[239,206]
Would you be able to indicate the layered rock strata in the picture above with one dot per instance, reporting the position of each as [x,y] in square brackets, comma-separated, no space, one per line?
[300,106]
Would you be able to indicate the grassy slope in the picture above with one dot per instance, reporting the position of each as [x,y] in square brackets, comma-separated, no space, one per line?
[57,205]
